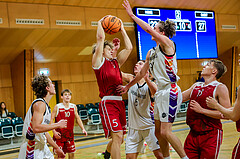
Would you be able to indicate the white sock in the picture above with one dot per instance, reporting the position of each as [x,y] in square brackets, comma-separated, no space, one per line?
[167,157]
[185,157]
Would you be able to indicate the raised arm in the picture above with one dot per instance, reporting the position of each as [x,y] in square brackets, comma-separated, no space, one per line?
[98,55]
[37,118]
[164,40]
[123,55]
[151,85]
[139,76]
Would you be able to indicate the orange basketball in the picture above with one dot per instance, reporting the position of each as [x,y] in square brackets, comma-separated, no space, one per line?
[111,24]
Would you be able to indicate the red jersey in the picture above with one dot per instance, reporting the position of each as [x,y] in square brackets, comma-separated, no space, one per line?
[238,125]
[67,114]
[108,77]
[199,122]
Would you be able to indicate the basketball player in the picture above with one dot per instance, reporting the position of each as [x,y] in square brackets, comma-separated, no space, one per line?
[205,136]
[64,137]
[107,71]
[139,102]
[162,63]
[36,123]
[233,114]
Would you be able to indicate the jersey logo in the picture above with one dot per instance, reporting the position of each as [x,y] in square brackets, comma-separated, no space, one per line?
[200,92]
[67,114]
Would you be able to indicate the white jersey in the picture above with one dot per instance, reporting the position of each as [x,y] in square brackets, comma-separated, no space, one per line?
[139,103]
[163,67]
[38,140]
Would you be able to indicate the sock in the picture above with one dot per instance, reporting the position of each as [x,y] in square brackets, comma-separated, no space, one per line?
[167,157]
[107,155]
[185,157]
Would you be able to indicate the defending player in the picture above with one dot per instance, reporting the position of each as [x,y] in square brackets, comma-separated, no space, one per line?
[140,123]
[205,136]
[232,113]
[64,137]
[108,74]
[163,65]
[36,123]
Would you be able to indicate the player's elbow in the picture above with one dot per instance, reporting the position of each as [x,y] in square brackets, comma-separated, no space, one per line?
[36,130]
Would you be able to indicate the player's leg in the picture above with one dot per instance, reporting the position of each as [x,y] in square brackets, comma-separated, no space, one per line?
[134,143]
[71,155]
[152,142]
[162,141]
[191,146]
[131,156]
[210,144]
[166,133]
[117,138]
[70,148]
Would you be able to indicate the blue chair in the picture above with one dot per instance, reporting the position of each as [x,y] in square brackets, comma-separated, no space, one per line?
[79,107]
[97,105]
[82,111]
[7,129]
[18,125]
[12,115]
[90,105]
[96,120]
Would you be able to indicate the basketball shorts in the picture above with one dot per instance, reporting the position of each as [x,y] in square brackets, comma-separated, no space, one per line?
[135,139]
[41,151]
[66,146]
[113,116]
[167,103]
[236,151]
[205,145]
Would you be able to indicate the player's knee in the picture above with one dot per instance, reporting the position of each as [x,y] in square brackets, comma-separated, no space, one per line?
[118,137]
[164,134]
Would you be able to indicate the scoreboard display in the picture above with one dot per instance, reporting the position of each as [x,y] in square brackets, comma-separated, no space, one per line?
[195,32]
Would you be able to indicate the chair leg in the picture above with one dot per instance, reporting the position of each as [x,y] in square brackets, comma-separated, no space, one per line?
[11,141]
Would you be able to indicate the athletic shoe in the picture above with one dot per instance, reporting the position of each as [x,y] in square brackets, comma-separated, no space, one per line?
[100,155]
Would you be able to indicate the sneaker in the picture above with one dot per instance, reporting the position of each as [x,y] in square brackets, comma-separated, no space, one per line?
[100,156]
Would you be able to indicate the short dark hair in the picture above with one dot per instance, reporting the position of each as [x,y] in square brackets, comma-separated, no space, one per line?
[168,27]
[39,84]
[221,68]
[66,90]
[106,43]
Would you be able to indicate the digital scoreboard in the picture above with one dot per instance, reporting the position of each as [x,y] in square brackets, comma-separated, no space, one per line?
[195,32]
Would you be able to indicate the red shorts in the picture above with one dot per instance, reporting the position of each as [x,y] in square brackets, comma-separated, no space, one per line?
[201,146]
[66,146]
[236,151]
[113,116]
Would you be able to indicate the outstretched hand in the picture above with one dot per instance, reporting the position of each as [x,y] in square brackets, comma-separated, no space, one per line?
[122,89]
[128,8]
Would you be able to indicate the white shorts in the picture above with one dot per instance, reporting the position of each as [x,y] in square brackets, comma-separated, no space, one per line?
[167,103]
[41,151]
[135,139]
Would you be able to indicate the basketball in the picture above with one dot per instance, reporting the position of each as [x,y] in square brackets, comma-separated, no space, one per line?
[111,24]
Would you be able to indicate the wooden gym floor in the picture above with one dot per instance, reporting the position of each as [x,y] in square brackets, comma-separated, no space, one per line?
[89,148]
